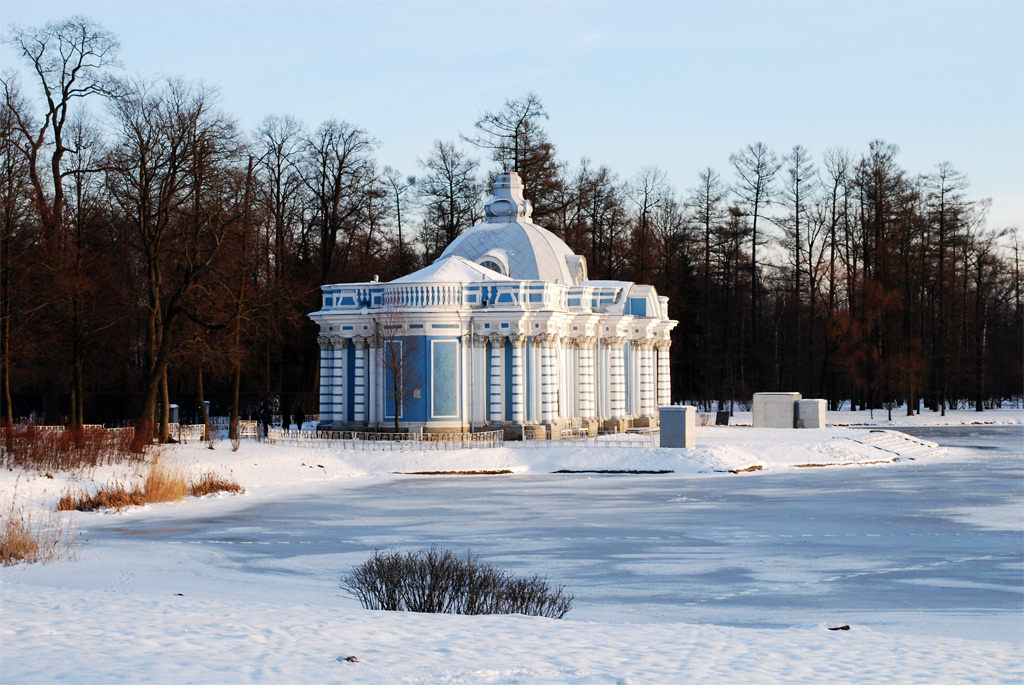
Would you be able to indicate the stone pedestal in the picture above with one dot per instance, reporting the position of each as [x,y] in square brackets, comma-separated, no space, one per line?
[535,432]
[679,426]
[591,427]
[775,409]
[645,422]
[513,432]
[810,413]
[615,426]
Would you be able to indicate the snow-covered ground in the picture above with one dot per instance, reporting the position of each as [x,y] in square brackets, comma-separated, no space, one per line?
[695,576]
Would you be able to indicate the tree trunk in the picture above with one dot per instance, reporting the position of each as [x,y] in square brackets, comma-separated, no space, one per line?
[165,408]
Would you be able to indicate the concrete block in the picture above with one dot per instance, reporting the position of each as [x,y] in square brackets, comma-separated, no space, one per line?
[678,426]
[810,413]
[775,409]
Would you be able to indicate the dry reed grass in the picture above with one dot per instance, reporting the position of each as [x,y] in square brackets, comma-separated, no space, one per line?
[210,483]
[34,448]
[114,497]
[162,483]
[25,540]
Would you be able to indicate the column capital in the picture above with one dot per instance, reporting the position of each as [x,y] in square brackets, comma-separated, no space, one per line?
[361,342]
[547,338]
[496,339]
[588,341]
[324,342]
[479,340]
[663,344]
[517,339]
[617,340]
[466,339]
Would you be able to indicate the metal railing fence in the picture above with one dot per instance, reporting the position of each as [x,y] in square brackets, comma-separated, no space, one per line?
[362,440]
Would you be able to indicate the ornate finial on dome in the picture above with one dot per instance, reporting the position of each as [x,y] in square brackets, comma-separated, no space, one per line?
[508,203]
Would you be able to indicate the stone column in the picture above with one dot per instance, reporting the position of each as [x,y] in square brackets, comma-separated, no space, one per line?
[603,381]
[562,348]
[497,347]
[339,384]
[359,394]
[646,408]
[518,379]
[326,379]
[548,379]
[664,373]
[616,377]
[586,383]
[534,373]
[373,374]
[572,378]
[466,364]
[478,409]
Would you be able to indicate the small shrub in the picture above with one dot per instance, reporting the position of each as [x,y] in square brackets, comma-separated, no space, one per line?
[23,540]
[438,581]
[210,483]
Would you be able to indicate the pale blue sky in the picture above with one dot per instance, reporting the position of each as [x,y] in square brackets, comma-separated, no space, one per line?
[680,85]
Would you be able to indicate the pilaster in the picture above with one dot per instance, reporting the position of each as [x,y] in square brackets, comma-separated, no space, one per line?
[497,348]
[359,395]
[664,373]
[518,378]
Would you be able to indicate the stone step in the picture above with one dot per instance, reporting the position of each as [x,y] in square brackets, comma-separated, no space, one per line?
[900,444]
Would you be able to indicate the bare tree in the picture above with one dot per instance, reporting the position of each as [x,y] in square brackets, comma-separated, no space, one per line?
[799,236]
[449,193]
[171,144]
[70,59]
[649,191]
[398,187]
[835,208]
[280,196]
[756,166]
[705,202]
[16,241]
[338,170]
[518,143]
[947,209]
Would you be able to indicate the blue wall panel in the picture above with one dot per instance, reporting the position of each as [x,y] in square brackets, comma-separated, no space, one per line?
[444,378]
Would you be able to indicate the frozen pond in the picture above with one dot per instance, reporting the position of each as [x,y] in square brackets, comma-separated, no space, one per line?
[926,547]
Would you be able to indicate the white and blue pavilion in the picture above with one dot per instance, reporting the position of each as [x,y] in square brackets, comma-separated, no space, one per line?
[505,331]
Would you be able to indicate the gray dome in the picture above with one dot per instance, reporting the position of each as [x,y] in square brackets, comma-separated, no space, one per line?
[508,238]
